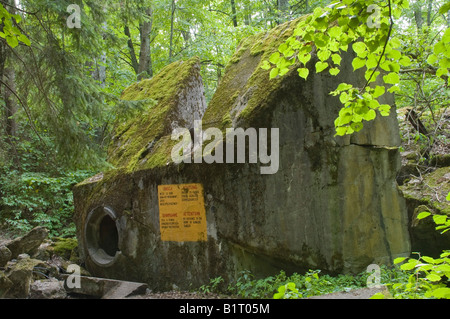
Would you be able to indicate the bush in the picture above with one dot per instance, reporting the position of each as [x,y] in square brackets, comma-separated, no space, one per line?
[30,199]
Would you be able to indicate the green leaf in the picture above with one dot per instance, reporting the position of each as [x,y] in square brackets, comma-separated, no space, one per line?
[444,8]
[440,219]
[357,126]
[448,197]
[334,71]
[446,36]
[429,260]
[433,277]
[409,265]
[323,54]
[399,260]
[320,66]
[432,59]
[344,97]
[360,49]
[395,42]
[369,116]
[283,71]
[441,293]
[24,39]
[303,72]
[265,65]
[321,40]
[341,131]
[372,61]
[335,31]
[336,59]
[385,109]
[283,47]
[423,215]
[358,63]
[378,295]
[379,91]
[391,78]
[274,73]
[344,87]
[394,89]
[439,47]
[441,71]
[304,58]
[405,61]
[444,63]
[12,41]
[274,58]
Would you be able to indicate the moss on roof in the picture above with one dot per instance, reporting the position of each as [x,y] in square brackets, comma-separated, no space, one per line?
[245,83]
[138,140]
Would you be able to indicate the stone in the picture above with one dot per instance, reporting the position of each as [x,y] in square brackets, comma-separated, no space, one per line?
[44,251]
[106,288]
[20,273]
[47,289]
[333,204]
[5,255]
[29,243]
[428,194]
[5,284]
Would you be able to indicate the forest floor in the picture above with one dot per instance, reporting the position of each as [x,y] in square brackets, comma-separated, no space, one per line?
[364,293]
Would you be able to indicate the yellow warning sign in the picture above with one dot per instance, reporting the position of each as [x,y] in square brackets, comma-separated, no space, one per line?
[182,215]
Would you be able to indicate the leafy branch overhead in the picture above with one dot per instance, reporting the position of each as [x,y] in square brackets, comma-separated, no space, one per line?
[366,28]
[10,32]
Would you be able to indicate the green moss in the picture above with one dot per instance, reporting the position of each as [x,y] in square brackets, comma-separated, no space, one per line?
[64,247]
[161,156]
[244,73]
[135,137]
[432,191]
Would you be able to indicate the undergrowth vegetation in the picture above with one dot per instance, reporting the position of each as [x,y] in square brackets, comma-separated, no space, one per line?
[295,286]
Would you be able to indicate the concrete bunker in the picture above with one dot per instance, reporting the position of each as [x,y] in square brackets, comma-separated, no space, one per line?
[333,205]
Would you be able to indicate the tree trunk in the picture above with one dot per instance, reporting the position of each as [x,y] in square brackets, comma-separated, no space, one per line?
[234,14]
[134,62]
[171,29]
[418,17]
[429,12]
[10,102]
[248,15]
[283,5]
[283,10]
[145,60]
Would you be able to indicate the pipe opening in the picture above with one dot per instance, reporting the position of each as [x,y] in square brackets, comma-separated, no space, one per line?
[108,236]
[102,236]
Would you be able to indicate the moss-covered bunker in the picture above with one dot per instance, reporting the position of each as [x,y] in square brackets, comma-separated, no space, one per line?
[333,204]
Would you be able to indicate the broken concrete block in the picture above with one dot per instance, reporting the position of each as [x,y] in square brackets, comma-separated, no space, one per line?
[29,243]
[333,204]
[5,284]
[105,288]
[20,273]
[47,289]
[5,255]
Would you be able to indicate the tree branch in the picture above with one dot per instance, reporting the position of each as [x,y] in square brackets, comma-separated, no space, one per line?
[391,25]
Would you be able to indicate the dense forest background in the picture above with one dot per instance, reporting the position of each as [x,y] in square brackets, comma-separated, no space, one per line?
[61,81]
